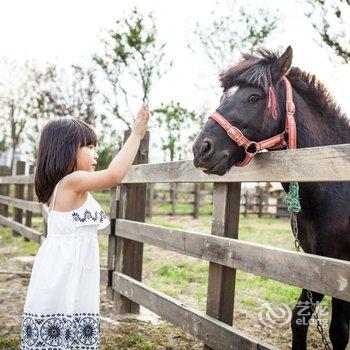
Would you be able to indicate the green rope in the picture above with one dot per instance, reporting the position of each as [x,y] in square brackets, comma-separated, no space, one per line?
[292,198]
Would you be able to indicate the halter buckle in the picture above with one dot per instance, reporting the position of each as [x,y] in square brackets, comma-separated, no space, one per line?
[290,107]
[236,139]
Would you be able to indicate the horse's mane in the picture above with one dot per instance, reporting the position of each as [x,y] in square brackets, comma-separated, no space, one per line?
[255,70]
[317,96]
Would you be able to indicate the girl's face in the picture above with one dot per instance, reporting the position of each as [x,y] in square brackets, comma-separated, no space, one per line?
[87,158]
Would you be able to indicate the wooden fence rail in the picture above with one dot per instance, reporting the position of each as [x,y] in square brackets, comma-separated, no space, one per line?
[314,164]
[320,274]
[222,248]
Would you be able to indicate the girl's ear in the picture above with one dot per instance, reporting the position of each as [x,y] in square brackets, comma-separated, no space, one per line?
[282,65]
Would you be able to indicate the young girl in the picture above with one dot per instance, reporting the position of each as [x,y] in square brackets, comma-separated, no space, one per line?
[62,305]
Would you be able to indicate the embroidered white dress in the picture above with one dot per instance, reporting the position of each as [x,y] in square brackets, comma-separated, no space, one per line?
[61,310]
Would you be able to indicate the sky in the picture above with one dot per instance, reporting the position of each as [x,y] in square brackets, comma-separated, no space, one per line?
[68,32]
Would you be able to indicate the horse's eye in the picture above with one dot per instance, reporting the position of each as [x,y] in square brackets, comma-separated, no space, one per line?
[254,98]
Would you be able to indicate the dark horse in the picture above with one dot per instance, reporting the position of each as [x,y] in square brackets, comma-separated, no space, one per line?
[324,220]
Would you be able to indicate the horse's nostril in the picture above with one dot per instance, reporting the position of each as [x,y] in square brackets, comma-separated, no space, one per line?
[207,147]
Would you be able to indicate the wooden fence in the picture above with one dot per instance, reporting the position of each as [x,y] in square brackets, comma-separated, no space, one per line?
[222,248]
[194,196]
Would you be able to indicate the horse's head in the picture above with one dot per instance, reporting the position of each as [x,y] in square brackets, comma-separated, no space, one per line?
[248,103]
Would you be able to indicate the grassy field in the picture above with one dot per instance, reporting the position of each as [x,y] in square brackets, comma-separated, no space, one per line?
[185,278]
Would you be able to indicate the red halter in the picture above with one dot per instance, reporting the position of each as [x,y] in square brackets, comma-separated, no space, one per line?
[274,142]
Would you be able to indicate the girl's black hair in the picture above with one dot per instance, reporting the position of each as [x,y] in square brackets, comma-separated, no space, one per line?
[59,142]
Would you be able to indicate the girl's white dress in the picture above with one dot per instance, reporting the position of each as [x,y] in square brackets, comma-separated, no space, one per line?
[62,305]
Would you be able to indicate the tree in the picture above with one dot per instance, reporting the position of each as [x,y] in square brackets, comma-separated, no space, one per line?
[331,18]
[131,61]
[3,142]
[176,123]
[15,88]
[105,156]
[58,93]
[233,32]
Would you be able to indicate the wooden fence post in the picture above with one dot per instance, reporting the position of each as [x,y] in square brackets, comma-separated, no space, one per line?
[4,189]
[115,212]
[221,281]
[129,253]
[173,195]
[246,203]
[29,197]
[281,209]
[197,198]
[112,238]
[260,201]
[150,200]
[19,193]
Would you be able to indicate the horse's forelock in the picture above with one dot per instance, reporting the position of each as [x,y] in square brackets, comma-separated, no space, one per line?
[252,70]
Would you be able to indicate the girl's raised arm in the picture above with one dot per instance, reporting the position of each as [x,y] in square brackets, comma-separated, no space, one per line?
[81,181]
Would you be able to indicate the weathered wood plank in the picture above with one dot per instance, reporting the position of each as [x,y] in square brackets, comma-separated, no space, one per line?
[24,204]
[112,240]
[173,198]
[321,274]
[328,163]
[196,201]
[205,328]
[29,197]
[4,189]
[103,275]
[22,229]
[19,193]
[150,200]
[321,164]
[222,279]
[129,254]
[17,179]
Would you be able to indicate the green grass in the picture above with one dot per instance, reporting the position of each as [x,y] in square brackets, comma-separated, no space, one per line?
[179,278]
[23,247]
[103,198]
[133,337]
[165,208]
[9,343]
[140,335]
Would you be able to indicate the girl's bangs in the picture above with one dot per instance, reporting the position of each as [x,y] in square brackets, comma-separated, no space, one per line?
[86,135]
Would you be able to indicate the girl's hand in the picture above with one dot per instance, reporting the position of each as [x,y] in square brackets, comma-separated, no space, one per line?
[141,122]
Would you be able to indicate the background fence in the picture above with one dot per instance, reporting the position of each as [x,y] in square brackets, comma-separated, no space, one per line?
[197,199]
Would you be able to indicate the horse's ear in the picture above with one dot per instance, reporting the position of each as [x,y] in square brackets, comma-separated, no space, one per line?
[282,65]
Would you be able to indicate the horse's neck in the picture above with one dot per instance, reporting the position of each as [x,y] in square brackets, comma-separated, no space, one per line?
[313,129]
